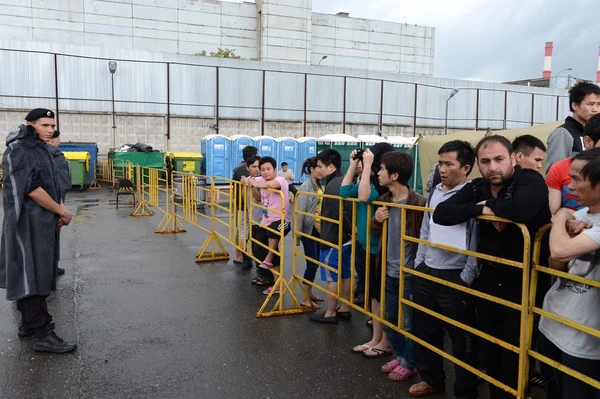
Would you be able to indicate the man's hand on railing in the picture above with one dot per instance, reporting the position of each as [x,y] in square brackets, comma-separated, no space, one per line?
[382,214]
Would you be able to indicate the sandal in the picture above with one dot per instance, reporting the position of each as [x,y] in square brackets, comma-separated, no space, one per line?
[307,304]
[421,389]
[400,373]
[374,353]
[360,349]
[238,261]
[390,366]
[270,289]
[315,298]
[266,265]
[261,282]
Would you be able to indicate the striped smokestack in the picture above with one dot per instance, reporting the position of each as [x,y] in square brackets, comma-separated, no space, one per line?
[548,61]
[598,71]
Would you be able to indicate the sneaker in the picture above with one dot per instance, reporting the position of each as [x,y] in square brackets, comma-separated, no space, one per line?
[25,331]
[52,343]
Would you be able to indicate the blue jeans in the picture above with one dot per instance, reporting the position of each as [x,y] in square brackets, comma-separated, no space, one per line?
[311,250]
[404,349]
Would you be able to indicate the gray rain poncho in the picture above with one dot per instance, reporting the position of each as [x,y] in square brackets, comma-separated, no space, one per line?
[62,169]
[29,252]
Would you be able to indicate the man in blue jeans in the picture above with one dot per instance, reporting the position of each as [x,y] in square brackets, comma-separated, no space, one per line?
[396,169]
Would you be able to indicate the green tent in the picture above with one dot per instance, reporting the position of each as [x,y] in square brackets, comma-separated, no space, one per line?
[429,146]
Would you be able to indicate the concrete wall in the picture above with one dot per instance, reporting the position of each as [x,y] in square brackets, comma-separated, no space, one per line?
[374,45]
[285,27]
[187,131]
[170,26]
[282,32]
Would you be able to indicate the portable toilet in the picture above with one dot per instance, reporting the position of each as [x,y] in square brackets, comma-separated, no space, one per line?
[410,144]
[308,149]
[238,143]
[369,140]
[343,143]
[216,153]
[289,152]
[267,146]
[90,148]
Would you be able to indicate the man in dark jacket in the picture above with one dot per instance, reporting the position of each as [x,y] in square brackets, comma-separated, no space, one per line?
[510,192]
[33,214]
[396,169]
[62,177]
[329,163]
[242,227]
[567,139]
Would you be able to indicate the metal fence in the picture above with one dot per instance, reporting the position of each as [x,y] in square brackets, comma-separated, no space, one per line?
[68,82]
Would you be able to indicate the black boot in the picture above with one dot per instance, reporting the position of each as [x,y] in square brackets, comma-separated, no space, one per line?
[60,271]
[25,331]
[46,340]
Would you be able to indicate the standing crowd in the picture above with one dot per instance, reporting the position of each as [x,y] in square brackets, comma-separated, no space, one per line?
[511,187]
[36,180]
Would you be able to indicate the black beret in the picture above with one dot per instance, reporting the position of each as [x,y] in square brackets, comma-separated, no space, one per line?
[38,113]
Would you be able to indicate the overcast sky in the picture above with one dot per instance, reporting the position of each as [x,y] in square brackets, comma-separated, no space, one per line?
[494,40]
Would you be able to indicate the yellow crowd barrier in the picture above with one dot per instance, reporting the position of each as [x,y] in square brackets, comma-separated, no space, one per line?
[224,213]
[536,270]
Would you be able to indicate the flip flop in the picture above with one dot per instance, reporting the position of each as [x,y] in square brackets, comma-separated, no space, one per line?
[266,265]
[359,351]
[421,389]
[238,261]
[377,353]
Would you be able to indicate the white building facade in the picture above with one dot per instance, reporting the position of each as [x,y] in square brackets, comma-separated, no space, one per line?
[285,31]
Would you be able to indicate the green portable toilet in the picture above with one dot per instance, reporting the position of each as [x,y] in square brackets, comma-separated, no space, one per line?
[79,162]
[410,144]
[343,143]
[369,140]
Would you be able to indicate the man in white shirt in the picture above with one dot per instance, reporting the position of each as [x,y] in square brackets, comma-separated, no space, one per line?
[575,249]
[288,175]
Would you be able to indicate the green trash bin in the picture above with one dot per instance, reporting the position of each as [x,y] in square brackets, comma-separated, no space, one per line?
[187,162]
[342,143]
[80,166]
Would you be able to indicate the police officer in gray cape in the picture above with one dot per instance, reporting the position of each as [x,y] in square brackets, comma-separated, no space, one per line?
[33,214]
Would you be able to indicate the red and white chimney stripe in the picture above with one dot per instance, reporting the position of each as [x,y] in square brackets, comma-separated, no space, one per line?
[548,61]
[598,71]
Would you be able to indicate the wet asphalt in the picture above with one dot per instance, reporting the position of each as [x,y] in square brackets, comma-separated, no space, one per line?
[151,323]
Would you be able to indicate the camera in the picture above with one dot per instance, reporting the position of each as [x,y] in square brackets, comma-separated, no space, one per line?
[359,154]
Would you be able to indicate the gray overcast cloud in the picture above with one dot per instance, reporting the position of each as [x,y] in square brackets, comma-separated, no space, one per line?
[495,40]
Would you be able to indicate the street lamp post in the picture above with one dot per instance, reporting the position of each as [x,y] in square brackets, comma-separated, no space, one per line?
[112,68]
[454,92]
[324,58]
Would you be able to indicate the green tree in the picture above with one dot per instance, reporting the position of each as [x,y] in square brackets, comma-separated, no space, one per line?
[221,53]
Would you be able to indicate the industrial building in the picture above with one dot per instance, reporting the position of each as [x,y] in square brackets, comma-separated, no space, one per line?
[325,74]
[269,30]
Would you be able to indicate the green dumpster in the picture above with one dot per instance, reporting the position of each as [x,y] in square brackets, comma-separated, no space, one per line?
[342,143]
[145,159]
[80,165]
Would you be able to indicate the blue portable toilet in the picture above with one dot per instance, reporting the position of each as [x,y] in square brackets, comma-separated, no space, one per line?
[308,149]
[267,146]
[289,152]
[216,156]
[238,143]
[92,148]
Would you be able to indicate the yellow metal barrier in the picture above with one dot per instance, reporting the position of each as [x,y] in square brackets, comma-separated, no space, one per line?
[521,349]
[533,309]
